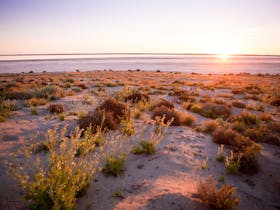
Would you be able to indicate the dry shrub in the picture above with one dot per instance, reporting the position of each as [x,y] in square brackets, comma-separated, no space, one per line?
[249,160]
[238,104]
[236,91]
[262,134]
[162,102]
[275,102]
[187,119]
[20,95]
[210,126]
[118,110]
[56,108]
[36,102]
[137,96]
[246,117]
[169,114]
[222,198]
[98,119]
[224,136]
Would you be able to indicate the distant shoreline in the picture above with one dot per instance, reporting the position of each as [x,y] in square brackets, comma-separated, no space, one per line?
[199,54]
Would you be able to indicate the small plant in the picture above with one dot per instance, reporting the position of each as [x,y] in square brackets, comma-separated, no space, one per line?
[222,198]
[118,194]
[232,163]
[204,163]
[127,127]
[114,165]
[222,178]
[34,111]
[146,147]
[220,154]
[62,116]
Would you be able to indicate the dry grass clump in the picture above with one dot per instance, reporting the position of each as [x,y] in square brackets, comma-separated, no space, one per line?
[238,104]
[56,108]
[137,97]
[211,110]
[222,198]
[162,102]
[6,108]
[36,102]
[210,126]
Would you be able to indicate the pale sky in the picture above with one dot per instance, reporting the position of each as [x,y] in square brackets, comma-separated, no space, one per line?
[146,26]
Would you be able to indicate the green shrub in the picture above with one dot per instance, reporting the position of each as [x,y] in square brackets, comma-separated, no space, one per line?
[55,183]
[146,147]
[50,93]
[34,111]
[62,116]
[114,165]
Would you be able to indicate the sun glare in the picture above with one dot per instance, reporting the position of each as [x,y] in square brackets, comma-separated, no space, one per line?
[223,56]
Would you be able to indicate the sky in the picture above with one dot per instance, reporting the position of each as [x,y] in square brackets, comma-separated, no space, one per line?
[145,26]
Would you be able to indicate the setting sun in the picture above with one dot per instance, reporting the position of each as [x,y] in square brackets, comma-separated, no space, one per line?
[223,56]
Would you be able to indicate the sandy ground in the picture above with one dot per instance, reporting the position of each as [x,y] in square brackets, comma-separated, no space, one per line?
[166,180]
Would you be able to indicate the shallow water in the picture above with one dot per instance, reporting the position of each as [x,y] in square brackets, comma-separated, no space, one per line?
[163,62]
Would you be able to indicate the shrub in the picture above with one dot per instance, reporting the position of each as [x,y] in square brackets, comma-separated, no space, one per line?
[239,126]
[236,91]
[56,108]
[224,136]
[96,119]
[118,110]
[6,107]
[57,182]
[275,102]
[222,198]
[137,96]
[210,126]
[187,119]
[247,117]
[169,114]
[146,147]
[50,93]
[36,102]
[196,108]
[114,165]
[238,104]
[215,110]
[162,102]
[249,160]
[19,95]
[262,134]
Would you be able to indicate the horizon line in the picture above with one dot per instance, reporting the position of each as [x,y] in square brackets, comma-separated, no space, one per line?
[133,53]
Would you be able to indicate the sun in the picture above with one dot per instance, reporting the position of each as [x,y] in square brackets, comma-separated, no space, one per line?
[223,56]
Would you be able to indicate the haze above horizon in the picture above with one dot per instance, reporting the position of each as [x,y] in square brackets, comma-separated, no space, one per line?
[165,27]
